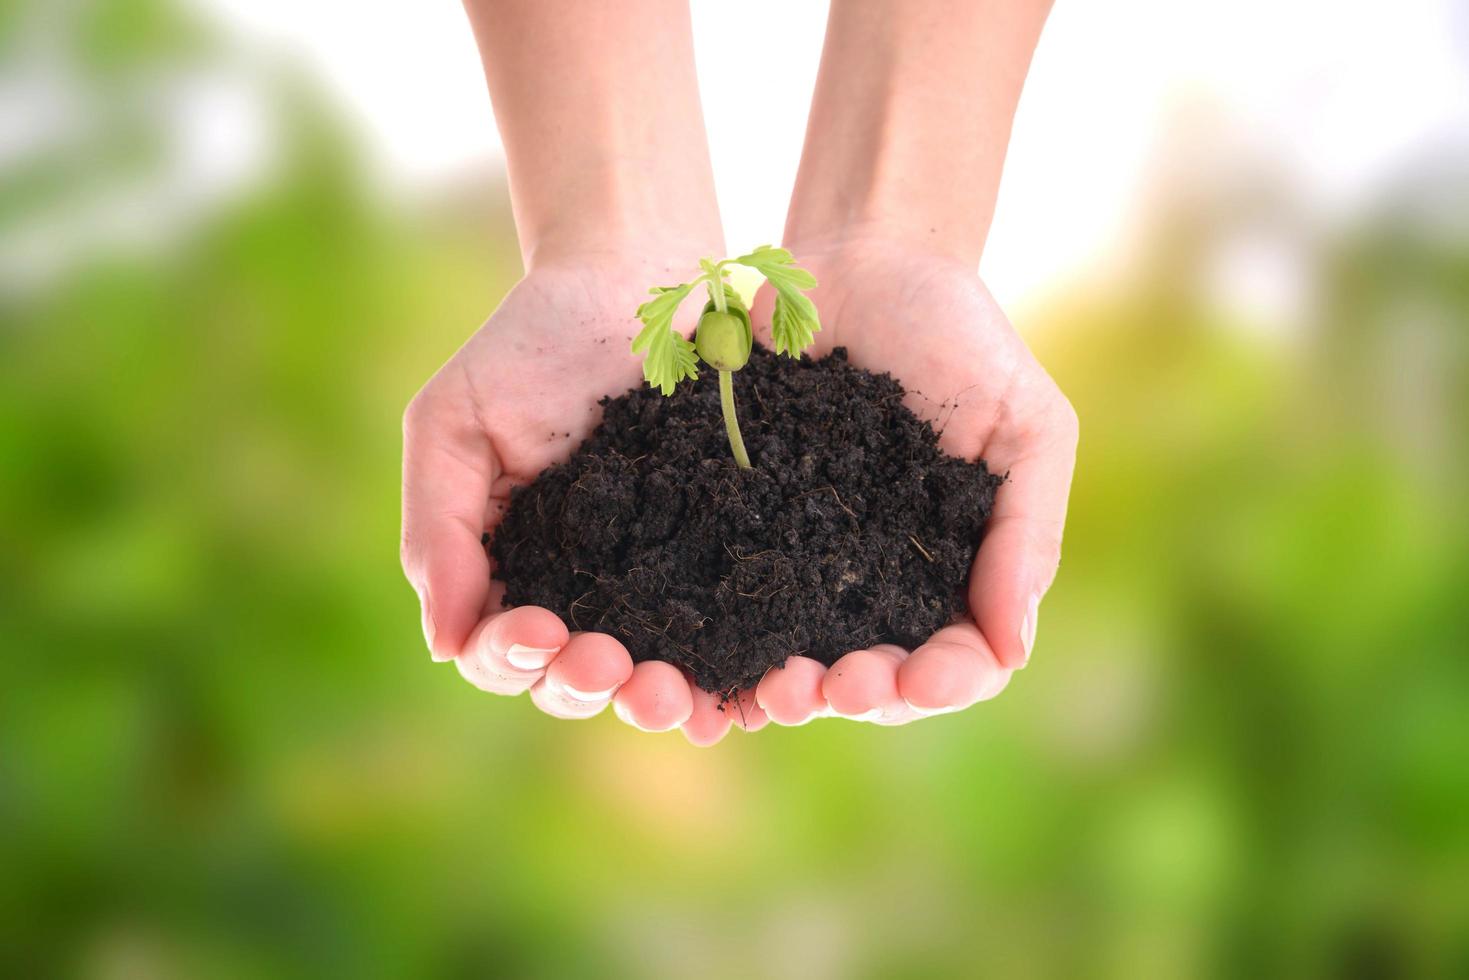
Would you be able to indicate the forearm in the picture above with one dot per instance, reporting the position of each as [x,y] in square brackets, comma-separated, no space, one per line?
[599,111]
[910,121]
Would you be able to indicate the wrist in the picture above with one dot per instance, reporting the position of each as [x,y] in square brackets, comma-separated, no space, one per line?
[654,250]
[910,120]
[836,240]
[599,111]
[608,208]
[601,210]
[885,197]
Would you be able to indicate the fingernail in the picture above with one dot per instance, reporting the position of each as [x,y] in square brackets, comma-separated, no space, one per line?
[930,712]
[430,633]
[588,696]
[870,715]
[1027,626]
[523,657]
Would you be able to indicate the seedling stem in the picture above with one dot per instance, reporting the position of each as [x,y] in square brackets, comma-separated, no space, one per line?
[723,339]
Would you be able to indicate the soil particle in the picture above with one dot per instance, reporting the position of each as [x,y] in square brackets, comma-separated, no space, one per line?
[852,529]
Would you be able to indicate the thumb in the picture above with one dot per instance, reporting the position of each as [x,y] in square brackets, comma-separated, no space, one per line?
[1018,558]
[448,468]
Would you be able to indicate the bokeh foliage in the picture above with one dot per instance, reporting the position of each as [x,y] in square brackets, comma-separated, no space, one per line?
[1241,750]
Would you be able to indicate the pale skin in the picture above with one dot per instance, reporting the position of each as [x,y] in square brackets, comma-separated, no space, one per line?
[612,191]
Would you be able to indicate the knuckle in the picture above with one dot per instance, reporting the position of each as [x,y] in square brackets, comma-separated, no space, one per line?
[432,406]
[407,557]
[414,415]
[1067,419]
[1052,423]
[1046,542]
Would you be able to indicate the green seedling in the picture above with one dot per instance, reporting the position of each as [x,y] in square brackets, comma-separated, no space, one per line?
[723,338]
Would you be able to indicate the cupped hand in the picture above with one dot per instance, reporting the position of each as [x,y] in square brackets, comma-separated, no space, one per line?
[517,397]
[929,321]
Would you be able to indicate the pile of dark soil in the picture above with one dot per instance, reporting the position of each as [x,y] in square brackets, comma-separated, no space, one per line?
[852,529]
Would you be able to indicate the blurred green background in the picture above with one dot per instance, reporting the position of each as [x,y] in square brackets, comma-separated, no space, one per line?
[1242,749]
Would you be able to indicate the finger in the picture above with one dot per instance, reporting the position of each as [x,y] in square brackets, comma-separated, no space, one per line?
[950,672]
[526,637]
[707,724]
[555,702]
[448,467]
[863,685]
[495,681]
[792,695]
[490,672]
[655,699]
[588,670]
[1021,550]
[744,712]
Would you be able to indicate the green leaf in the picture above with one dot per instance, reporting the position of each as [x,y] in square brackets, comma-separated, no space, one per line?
[668,356]
[794,322]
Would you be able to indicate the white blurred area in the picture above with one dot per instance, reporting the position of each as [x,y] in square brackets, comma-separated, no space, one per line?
[1336,97]
[1340,93]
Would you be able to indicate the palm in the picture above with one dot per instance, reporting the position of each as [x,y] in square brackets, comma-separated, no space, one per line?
[515,399]
[930,322]
[933,326]
[534,373]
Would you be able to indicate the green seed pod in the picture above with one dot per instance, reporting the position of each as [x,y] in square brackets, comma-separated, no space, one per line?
[723,340]
[733,305]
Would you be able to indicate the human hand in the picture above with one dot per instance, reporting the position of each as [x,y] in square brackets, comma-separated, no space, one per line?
[517,397]
[929,321]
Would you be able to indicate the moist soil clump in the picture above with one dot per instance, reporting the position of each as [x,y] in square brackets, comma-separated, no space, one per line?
[852,529]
